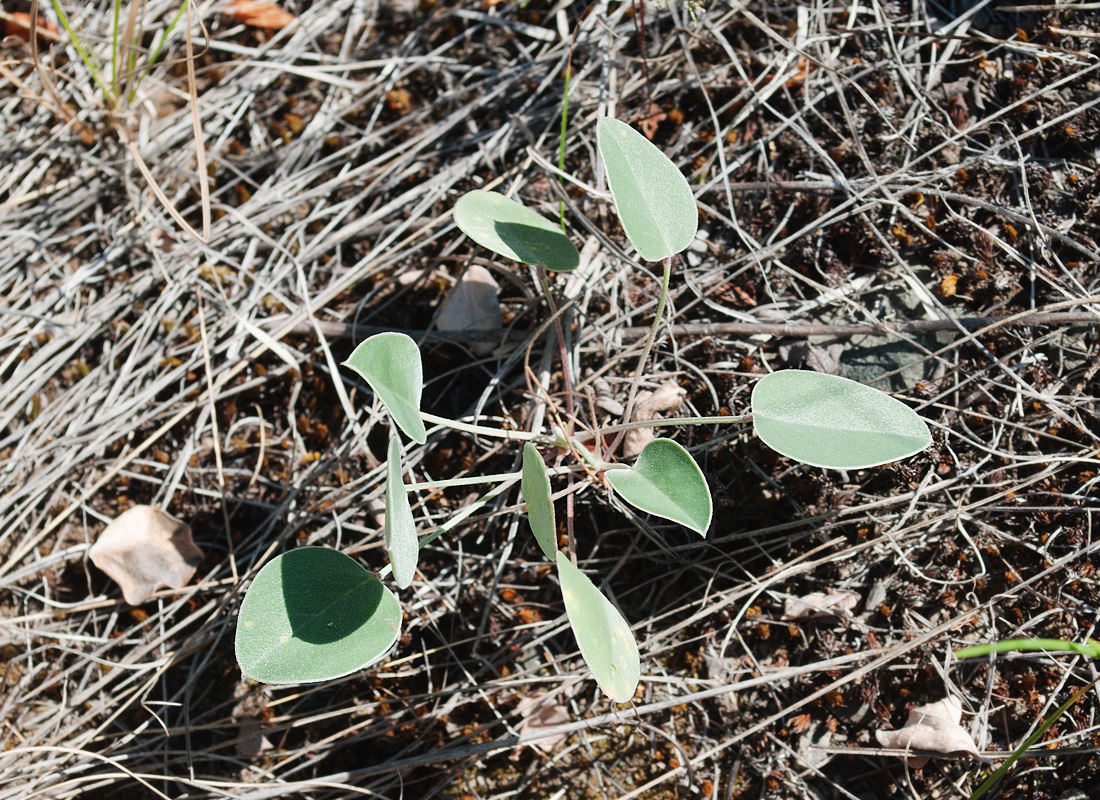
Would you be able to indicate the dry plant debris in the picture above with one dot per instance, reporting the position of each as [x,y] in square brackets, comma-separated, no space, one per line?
[817,605]
[473,305]
[933,727]
[665,399]
[259,14]
[872,164]
[144,549]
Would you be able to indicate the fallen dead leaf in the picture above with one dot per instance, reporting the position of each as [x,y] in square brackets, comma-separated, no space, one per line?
[537,714]
[473,305]
[259,14]
[669,396]
[144,549]
[652,119]
[820,604]
[934,727]
[18,25]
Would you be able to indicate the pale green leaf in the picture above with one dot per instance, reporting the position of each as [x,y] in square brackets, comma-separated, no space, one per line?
[652,197]
[603,635]
[514,231]
[390,363]
[667,482]
[314,614]
[829,421]
[402,543]
[536,493]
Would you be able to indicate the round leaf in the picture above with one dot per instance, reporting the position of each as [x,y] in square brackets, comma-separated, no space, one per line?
[314,614]
[667,482]
[390,363]
[652,197]
[603,635]
[402,543]
[514,231]
[829,421]
[536,493]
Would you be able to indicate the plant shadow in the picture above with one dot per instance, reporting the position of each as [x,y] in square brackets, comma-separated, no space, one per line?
[328,596]
[535,245]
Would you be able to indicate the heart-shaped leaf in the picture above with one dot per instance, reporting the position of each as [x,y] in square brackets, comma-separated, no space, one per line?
[652,197]
[536,493]
[829,421]
[314,614]
[390,363]
[603,635]
[514,231]
[667,482]
[400,531]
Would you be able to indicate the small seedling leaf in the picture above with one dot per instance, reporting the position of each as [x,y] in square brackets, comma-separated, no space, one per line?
[514,231]
[829,421]
[390,363]
[652,197]
[314,614]
[536,493]
[402,543]
[603,635]
[666,482]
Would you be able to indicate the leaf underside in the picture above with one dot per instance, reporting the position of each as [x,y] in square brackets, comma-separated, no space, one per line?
[604,637]
[666,481]
[830,421]
[536,494]
[390,363]
[402,543]
[652,197]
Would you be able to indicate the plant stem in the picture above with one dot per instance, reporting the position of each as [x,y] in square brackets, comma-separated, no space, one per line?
[469,510]
[672,422]
[1090,649]
[475,480]
[480,430]
[666,273]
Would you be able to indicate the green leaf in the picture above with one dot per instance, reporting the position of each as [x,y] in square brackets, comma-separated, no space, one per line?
[829,421]
[314,614]
[536,493]
[652,197]
[400,531]
[603,635]
[514,231]
[667,482]
[390,363]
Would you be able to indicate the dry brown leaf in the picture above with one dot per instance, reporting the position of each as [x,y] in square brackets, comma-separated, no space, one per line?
[820,604]
[473,305]
[934,727]
[669,396]
[653,118]
[537,714]
[145,549]
[19,26]
[259,14]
